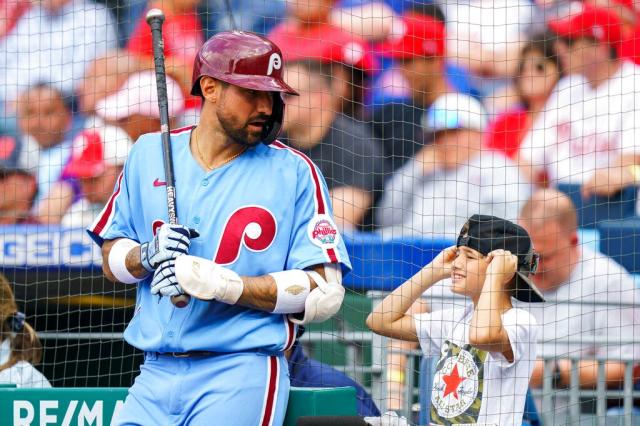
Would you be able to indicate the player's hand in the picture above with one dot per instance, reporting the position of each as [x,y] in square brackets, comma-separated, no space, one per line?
[205,280]
[608,182]
[441,265]
[502,265]
[169,242]
[164,280]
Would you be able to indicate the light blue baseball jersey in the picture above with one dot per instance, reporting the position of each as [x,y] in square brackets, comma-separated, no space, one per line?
[266,211]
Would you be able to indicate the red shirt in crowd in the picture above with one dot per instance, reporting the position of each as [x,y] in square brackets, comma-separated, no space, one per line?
[506,132]
[183,37]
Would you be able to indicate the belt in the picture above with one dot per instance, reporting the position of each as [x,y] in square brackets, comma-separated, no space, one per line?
[190,354]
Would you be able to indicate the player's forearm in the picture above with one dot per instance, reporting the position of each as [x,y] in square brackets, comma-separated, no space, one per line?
[132,261]
[262,292]
[486,330]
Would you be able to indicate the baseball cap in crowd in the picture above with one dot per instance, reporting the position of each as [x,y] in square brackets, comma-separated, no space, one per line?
[139,96]
[585,20]
[485,234]
[325,43]
[94,149]
[455,111]
[414,35]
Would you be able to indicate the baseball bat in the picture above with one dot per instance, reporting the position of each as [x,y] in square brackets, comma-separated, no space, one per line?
[155,19]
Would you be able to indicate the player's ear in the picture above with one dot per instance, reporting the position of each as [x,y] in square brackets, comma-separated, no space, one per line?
[209,87]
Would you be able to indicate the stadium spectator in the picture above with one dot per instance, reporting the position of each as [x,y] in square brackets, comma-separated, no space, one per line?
[570,272]
[306,372]
[352,62]
[17,186]
[20,348]
[343,148]
[418,48]
[97,161]
[183,37]
[10,12]
[44,118]
[587,131]
[103,77]
[54,42]
[134,108]
[434,193]
[370,20]
[538,72]
[485,38]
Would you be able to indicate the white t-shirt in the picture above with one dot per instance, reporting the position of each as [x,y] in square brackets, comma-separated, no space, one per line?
[440,204]
[472,386]
[22,374]
[583,129]
[596,278]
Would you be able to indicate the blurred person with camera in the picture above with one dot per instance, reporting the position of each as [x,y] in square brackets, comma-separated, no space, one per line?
[569,272]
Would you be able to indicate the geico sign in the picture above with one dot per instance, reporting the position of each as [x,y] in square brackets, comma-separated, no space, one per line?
[51,412]
[33,247]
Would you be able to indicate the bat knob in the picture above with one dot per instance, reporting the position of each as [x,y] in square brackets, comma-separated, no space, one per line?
[154,14]
[180,301]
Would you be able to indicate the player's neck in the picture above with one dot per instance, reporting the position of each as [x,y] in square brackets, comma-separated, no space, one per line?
[212,148]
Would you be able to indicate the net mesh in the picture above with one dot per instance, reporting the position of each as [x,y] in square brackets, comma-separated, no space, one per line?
[418,115]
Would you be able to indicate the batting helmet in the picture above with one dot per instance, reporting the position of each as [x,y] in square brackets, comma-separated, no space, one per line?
[246,60]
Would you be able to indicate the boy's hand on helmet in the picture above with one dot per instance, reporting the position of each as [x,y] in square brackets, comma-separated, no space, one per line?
[502,265]
[443,262]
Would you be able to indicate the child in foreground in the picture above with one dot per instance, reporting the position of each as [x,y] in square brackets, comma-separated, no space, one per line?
[486,351]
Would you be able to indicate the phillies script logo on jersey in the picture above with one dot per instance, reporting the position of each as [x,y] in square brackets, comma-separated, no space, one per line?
[323,232]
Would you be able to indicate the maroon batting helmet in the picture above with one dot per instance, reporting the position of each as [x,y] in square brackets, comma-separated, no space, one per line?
[246,60]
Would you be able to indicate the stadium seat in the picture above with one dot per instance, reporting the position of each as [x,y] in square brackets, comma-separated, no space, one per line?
[304,402]
[595,209]
[620,239]
[380,264]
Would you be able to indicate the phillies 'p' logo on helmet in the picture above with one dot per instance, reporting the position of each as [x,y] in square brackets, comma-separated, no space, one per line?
[246,60]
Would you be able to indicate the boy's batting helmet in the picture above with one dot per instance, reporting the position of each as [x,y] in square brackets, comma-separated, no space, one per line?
[246,60]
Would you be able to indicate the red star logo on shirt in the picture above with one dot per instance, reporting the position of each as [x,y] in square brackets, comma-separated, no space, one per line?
[452,382]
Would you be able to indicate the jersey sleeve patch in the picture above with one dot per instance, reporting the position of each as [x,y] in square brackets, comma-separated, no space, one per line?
[323,232]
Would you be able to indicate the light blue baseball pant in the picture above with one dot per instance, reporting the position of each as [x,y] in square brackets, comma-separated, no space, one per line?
[232,389]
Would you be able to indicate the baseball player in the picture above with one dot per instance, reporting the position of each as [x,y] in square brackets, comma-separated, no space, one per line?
[257,250]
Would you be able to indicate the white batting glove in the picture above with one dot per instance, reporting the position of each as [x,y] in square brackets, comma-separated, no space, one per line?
[164,280]
[205,280]
[169,242]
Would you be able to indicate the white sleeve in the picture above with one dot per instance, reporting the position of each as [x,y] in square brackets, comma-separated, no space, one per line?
[432,329]
[630,132]
[24,375]
[618,322]
[523,331]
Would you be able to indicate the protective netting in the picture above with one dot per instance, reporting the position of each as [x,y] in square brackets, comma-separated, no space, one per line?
[418,115]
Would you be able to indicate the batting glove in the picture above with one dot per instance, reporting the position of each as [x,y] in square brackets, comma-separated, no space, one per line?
[164,280]
[169,242]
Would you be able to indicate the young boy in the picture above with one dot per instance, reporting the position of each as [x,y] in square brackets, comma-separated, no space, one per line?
[487,351]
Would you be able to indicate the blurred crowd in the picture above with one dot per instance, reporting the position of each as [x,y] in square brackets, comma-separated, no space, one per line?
[418,113]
